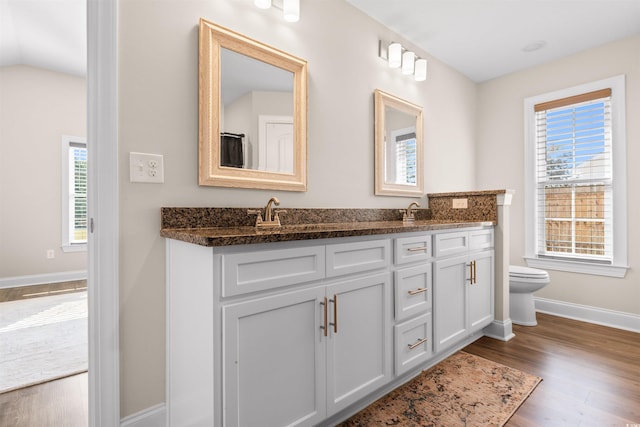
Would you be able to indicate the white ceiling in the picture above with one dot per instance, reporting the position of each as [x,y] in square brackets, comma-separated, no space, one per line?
[482,39]
[48,34]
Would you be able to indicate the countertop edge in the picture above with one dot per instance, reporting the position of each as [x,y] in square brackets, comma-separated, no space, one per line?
[231,236]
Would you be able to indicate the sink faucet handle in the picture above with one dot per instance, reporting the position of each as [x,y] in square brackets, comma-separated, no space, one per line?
[276,215]
[257,212]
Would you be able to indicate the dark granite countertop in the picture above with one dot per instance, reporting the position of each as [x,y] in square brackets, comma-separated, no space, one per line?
[226,236]
[233,226]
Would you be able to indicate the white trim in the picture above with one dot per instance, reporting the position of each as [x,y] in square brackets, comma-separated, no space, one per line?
[39,279]
[80,247]
[585,313]
[155,416]
[103,298]
[618,102]
[578,267]
[500,330]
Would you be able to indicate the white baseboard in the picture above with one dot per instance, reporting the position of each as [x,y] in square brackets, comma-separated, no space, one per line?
[39,279]
[154,416]
[585,313]
[500,330]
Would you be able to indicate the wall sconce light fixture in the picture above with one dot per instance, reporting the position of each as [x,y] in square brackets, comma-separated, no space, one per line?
[399,57]
[290,8]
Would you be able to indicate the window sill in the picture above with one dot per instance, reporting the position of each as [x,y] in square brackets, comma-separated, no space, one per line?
[577,267]
[75,248]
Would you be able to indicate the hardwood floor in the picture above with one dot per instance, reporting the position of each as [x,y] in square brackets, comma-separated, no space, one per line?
[60,403]
[591,377]
[591,373]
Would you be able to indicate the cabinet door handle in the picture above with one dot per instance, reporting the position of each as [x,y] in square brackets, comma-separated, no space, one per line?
[324,326]
[417,343]
[475,276]
[335,314]
[418,249]
[417,291]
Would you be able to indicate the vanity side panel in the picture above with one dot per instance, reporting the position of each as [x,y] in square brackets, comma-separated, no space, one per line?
[190,322]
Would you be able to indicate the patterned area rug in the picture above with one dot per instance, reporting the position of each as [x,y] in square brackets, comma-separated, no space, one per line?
[42,339]
[463,390]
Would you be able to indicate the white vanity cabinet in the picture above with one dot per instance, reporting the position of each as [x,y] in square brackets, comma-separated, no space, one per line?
[276,334]
[463,285]
[293,333]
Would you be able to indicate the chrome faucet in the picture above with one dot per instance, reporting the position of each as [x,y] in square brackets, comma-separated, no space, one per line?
[407,214]
[271,216]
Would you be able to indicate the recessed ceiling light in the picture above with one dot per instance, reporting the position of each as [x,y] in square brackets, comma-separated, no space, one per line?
[537,45]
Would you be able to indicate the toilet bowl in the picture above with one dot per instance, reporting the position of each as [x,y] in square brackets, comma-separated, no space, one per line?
[523,282]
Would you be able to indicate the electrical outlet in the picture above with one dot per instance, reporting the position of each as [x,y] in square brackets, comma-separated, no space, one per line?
[145,167]
[459,203]
[51,254]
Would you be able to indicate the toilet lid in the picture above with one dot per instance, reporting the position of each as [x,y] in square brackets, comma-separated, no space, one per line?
[527,272]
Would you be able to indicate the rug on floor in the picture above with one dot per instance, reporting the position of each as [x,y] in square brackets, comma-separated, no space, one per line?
[462,390]
[42,339]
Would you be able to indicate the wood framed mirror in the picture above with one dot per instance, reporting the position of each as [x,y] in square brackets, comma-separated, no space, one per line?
[252,111]
[399,167]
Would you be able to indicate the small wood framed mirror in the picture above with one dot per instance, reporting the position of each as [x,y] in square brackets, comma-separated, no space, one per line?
[398,147]
[252,111]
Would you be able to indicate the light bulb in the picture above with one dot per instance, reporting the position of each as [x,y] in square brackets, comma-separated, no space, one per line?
[394,54]
[291,10]
[421,70]
[408,59]
[262,4]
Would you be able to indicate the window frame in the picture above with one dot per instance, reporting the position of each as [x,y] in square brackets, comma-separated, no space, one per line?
[618,266]
[67,245]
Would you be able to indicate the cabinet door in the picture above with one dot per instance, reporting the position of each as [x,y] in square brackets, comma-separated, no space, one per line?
[480,291]
[359,348]
[449,305]
[274,361]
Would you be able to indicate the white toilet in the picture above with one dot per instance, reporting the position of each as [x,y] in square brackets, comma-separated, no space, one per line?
[523,282]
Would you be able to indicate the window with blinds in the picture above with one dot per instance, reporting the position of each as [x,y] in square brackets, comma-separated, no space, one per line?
[573,172]
[406,158]
[74,194]
[77,193]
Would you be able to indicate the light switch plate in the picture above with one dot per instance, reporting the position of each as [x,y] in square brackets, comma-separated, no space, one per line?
[147,168]
[459,203]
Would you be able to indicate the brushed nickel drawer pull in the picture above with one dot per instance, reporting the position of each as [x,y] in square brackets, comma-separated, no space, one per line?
[418,249]
[417,291]
[417,343]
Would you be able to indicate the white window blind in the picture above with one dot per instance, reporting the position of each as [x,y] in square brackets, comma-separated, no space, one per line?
[74,194]
[406,158]
[77,193]
[573,150]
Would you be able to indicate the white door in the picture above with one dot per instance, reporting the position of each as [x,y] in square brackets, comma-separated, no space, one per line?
[449,305]
[274,361]
[481,291]
[275,144]
[359,348]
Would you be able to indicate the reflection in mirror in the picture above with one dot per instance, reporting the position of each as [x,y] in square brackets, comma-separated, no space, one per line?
[253,108]
[256,114]
[398,146]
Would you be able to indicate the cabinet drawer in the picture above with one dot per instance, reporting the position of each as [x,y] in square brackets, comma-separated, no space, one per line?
[411,249]
[246,272]
[347,258]
[413,344]
[413,291]
[451,243]
[480,239]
